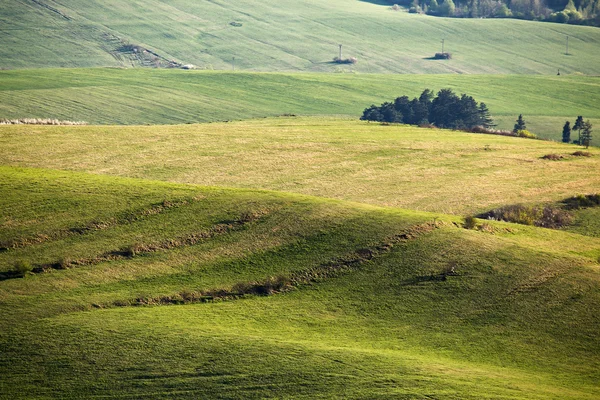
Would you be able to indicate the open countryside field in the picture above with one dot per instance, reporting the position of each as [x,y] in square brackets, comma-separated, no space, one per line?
[233,231]
[146,96]
[415,168]
[364,309]
[298,35]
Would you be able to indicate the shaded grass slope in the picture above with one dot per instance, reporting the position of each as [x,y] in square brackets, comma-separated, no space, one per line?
[113,96]
[416,168]
[510,322]
[284,36]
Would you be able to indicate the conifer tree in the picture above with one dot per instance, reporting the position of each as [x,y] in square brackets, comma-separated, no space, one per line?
[578,127]
[566,134]
[520,125]
[485,118]
[586,134]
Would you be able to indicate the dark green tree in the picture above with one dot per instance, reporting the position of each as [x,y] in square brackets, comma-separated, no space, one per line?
[402,106]
[566,134]
[389,113]
[468,112]
[586,134]
[485,119]
[420,112]
[426,97]
[578,127]
[372,114]
[444,109]
[520,125]
[447,8]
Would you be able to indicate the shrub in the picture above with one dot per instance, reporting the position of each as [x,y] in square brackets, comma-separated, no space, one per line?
[547,216]
[553,217]
[351,60]
[395,7]
[526,134]
[561,17]
[580,153]
[582,201]
[470,222]
[552,157]
[64,263]
[442,56]
[269,286]
[22,267]
[133,250]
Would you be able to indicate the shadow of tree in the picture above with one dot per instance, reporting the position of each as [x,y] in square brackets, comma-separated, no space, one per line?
[380,2]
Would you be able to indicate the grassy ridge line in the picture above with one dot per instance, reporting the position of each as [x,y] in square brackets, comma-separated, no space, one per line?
[287,36]
[514,322]
[409,167]
[112,96]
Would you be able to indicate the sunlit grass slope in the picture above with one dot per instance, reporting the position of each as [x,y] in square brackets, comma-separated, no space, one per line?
[410,167]
[298,35]
[111,96]
[511,321]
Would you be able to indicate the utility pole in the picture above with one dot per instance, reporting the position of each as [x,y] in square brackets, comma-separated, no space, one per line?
[567,53]
[233,63]
[443,46]
[340,53]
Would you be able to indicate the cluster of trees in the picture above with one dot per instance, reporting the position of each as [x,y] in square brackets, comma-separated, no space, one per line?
[446,110]
[584,128]
[585,12]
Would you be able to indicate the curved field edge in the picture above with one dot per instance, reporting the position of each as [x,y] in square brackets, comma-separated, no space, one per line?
[511,321]
[142,96]
[287,36]
[402,166]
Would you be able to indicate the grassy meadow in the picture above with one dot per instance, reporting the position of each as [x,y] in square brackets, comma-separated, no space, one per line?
[240,234]
[400,166]
[147,96]
[299,35]
[378,318]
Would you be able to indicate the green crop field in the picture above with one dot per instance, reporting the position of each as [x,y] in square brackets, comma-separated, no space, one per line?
[145,96]
[299,35]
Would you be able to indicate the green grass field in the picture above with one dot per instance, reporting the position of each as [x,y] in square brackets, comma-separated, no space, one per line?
[299,35]
[515,320]
[145,96]
[400,166]
[222,234]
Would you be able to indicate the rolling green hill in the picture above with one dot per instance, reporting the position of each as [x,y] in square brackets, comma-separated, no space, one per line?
[144,96]
[299,35]
[365,301]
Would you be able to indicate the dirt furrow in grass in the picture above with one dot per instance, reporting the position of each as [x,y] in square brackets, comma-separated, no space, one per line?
[133,250]
[282,283]
[126,217]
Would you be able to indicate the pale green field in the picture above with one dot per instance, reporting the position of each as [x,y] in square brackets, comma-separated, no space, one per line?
[143,96]
[299,35]
[400,166]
